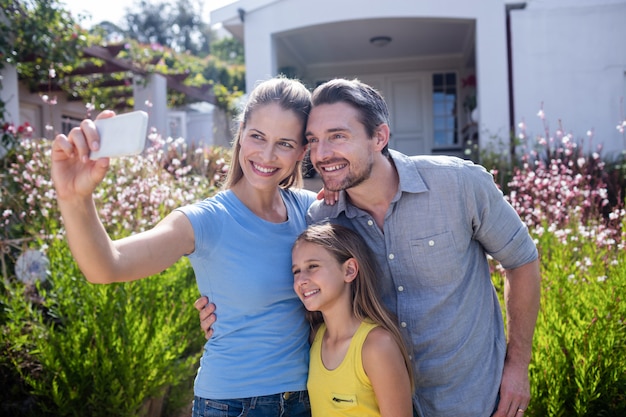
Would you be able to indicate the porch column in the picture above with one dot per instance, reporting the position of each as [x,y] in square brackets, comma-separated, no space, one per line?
[10,94]
[150,94]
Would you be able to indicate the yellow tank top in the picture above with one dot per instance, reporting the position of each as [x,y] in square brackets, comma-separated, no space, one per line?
[346,390]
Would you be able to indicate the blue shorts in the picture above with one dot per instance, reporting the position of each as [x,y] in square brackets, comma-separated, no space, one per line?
[287,404]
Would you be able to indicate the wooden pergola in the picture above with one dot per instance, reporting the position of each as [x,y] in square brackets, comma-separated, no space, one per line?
[112,64]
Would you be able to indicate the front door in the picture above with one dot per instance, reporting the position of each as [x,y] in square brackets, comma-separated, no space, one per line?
[408,97]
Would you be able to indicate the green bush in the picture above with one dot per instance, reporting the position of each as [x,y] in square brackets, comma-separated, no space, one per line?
[578,366]
[579,354]
[102,350]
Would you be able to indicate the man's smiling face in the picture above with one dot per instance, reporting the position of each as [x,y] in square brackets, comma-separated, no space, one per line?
[341,151]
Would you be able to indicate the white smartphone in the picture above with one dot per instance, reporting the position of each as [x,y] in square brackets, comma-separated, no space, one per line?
[121,135]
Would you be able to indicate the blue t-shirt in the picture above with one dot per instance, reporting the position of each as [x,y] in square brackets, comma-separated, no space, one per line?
[242,264]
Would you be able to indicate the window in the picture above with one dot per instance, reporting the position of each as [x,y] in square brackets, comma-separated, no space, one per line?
[445,123]
[177,124]
[68,123]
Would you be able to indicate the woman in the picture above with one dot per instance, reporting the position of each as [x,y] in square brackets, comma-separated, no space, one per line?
[239,244]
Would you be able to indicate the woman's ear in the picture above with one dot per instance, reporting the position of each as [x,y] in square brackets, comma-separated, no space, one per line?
[350,270]
[304,149]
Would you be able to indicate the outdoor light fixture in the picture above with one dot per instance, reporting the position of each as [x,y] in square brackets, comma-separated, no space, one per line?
[380,41]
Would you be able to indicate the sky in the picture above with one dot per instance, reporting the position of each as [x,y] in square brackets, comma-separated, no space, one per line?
[114,10]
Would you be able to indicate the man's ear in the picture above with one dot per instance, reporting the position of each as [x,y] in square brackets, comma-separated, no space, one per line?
[350,270]
[381,136]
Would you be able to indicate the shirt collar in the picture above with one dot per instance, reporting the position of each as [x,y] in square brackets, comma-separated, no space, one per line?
[410,182]
[410,179]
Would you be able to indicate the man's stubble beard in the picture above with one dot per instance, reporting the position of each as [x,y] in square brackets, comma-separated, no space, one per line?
[351,180]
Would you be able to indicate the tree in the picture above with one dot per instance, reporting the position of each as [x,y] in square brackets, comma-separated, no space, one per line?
[37,36]
[38,31]
[229,50]
[46,46]
[178,26]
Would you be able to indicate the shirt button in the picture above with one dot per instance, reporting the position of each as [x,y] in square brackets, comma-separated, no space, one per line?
[431,243]
[370,222]
[403,324]
[400,288]
[391,256]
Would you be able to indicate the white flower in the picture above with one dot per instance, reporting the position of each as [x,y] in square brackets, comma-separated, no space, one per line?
[32,265]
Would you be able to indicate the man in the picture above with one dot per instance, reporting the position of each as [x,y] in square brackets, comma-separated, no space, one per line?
[431,221]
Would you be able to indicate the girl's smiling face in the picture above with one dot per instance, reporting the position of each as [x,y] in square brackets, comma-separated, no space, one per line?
[318,278]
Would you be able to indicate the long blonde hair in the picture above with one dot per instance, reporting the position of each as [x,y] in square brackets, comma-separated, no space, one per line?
[289,94]
[343,244]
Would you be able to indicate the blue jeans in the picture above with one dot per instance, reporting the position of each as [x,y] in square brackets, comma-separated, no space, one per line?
[287,404]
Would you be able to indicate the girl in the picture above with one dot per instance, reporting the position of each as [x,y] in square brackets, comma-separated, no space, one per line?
[359,365]
[239,244]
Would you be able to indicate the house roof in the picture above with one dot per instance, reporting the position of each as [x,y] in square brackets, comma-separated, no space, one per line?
[232,16]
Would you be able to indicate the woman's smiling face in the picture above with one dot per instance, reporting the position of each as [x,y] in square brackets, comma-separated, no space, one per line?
[271,145]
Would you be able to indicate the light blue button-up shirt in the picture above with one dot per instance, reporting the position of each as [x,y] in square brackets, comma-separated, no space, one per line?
[445,218]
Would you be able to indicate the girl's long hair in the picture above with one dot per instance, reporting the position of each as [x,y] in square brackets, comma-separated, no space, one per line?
[343,243]
[289,94]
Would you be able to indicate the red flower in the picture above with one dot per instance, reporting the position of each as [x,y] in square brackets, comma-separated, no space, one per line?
[469,81]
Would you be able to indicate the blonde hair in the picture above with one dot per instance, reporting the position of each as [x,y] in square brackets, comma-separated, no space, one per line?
[289,94]
[343,244]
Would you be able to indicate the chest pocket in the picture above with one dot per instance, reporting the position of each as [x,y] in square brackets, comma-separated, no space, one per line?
[435,259]
[343,401]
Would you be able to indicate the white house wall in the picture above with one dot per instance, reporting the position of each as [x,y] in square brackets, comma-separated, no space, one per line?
[49,118]
[491,58]
[570,56]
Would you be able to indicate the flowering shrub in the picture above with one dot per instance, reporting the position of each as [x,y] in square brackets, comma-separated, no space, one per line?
[557,187]
[68,347]
[138,192]
[572,202]
[10,134]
